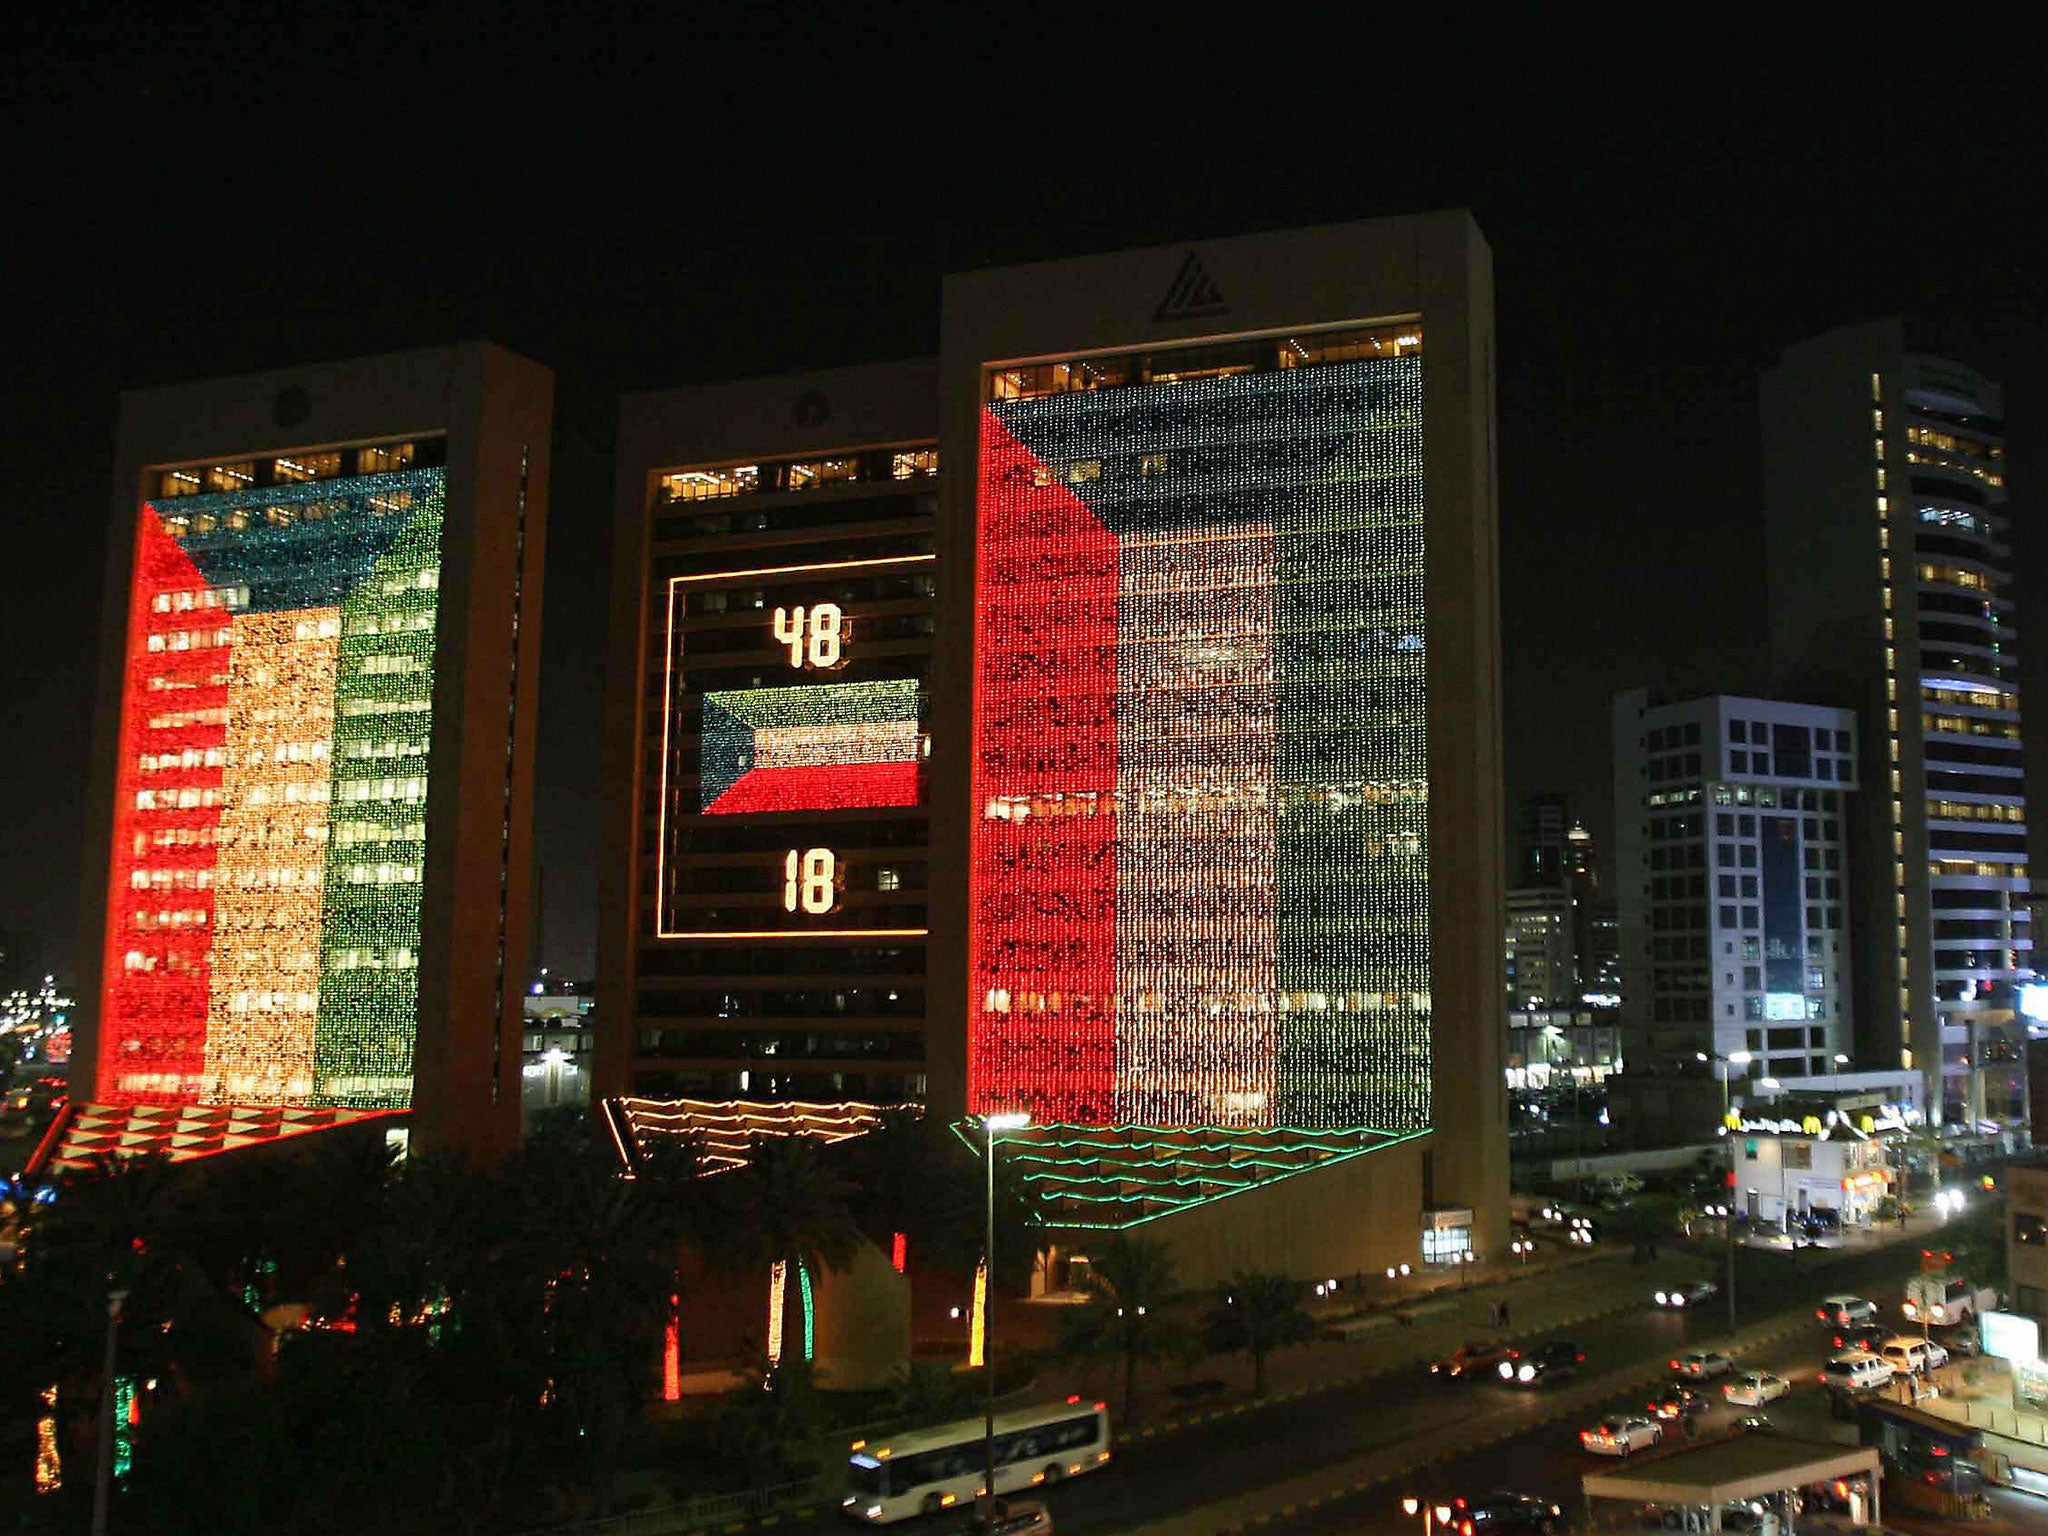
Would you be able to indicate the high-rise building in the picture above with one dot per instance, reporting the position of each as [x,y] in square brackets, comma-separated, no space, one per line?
[1216,822]
[1542,951]
[312,780]
[1890,593]
[1555,845]
[763,902]
[1735,912]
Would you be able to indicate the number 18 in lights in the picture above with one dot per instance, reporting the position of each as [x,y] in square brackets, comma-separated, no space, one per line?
[810,880]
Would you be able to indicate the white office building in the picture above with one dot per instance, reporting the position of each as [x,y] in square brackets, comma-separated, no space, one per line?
[1729,859]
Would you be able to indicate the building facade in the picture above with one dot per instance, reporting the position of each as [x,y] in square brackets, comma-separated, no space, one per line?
[1891,593]
[558,1051]
[767,773]
[1541,952]
[1217,824]
[312,785]
[1733,897]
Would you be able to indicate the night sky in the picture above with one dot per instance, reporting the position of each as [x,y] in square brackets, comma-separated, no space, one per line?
[755,191]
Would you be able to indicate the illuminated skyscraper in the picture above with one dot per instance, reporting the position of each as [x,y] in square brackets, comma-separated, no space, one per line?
[312,783]
[766,777]
[1216,820]
[1891,593]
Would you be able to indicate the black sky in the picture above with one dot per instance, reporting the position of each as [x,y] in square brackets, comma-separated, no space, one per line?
[642,200]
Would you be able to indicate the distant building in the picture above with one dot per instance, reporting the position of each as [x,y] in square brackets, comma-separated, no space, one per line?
[1600,957]
[1890,581]
[1541,953]
[1809,1154]
[1734,916]
[1546,1045]
[558,1051]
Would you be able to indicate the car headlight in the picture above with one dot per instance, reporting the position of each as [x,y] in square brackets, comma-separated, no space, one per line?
[1661,1299]
[1507,1371]
[1678,1298]
[1527,1373]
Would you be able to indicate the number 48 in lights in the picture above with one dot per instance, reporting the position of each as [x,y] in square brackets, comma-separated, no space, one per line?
[810,880]
[812,634]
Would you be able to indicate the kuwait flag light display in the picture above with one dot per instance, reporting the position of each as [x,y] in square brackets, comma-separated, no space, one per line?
[1200,876]
[821,747]
[263,921]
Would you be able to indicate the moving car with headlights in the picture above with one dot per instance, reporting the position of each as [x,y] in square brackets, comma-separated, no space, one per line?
[1675,1400]
[1506,1514]
[1857,1371]
[1703,1364]
[1846,1311]
[1679,1297]
[1909,1356]
[1472,1362]
[1622,1435]
[1552,1361]
[924,1471]
[1752,1389]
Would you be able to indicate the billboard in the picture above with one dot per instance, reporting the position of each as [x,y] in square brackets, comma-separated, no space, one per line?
[1199,862]
[263,929]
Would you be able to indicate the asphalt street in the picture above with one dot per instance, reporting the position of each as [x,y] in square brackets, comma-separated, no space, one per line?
[1153,1479]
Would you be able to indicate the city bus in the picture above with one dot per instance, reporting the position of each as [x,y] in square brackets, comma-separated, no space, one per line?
[923,1471]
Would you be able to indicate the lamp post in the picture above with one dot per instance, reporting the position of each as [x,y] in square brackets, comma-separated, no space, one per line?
[1732,1059]
[993,1126]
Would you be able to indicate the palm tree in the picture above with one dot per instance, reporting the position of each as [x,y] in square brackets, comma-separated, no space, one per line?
[1258,1314]
[1126,1318]
[786,1205]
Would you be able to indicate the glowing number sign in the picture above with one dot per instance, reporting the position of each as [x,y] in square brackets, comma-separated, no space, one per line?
[810,880]
[812,634]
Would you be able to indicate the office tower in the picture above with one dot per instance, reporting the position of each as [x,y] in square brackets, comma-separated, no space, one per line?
[1890,593]
[1734,906]
[1216,820]
[1555,845]
[1541,951]
[312,780]
[766,780]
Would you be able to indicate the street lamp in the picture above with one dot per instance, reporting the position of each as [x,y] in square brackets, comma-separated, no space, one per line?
[993,1126]
[1732,1059]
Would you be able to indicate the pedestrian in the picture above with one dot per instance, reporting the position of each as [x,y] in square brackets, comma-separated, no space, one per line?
[1504,1314]
[1492,1314]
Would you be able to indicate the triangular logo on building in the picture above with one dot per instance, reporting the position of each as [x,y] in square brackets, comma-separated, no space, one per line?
[1191,294]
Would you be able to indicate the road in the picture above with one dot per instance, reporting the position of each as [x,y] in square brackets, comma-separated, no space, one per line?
[1179,1473]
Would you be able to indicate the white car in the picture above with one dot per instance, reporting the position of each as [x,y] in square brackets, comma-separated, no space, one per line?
[1703,1364]
[1856,1371]
[1752,1389]
[1683,1296]
[1622,1435]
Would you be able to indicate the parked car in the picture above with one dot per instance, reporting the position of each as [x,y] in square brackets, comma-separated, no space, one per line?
[1846,1311]
[1909,1356]
[1961,1341]
[1552,1361]
[1856,1371]
[1013,1517]
[1622,1435]
[1752,1389]
[1703,1364]
[1506,1514]
[1690,1295]
[1475,1361]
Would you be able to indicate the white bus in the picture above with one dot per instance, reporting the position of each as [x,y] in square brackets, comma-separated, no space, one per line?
[923,1471]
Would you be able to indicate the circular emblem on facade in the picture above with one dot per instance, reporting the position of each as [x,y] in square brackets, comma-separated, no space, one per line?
[292,406]
[812,409]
